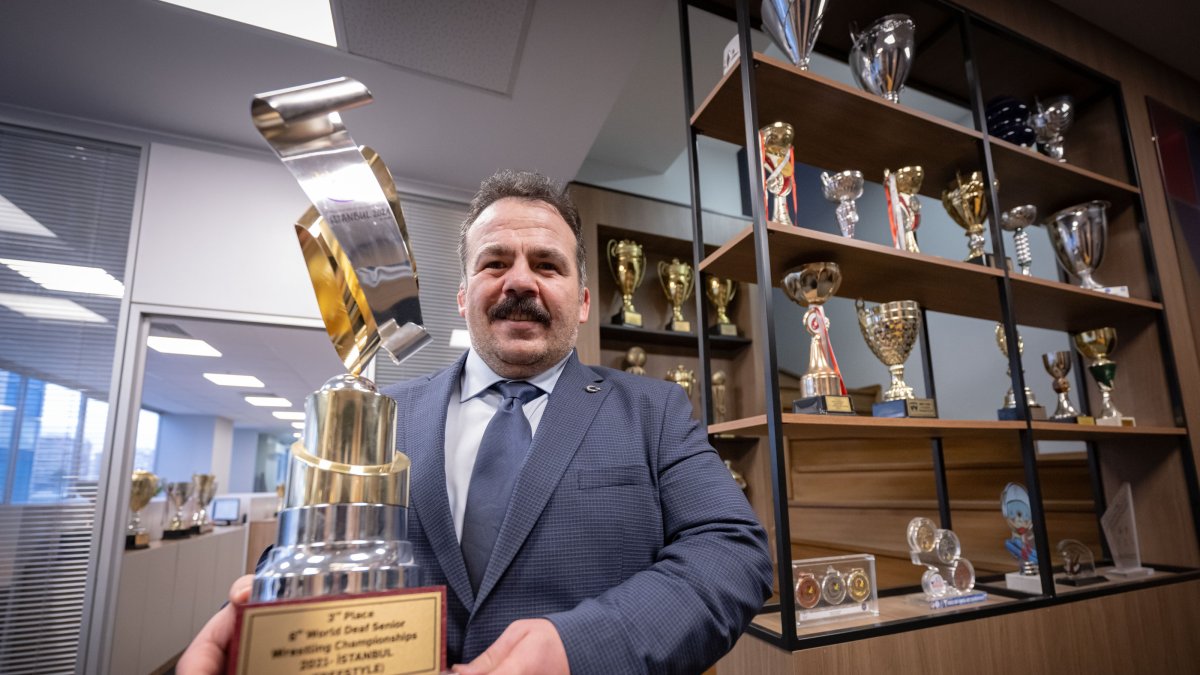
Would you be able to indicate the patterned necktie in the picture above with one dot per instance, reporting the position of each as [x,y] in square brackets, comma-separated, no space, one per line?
[501,454]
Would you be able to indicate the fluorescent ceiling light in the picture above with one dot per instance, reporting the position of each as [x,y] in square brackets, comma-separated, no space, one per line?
[296,434]
[288,415]
[69,278]
[226,380]
[306,19]
[268,401]
[54,309]
[460,338]
[15,220]
[183,346]
[297,425]
[6,408]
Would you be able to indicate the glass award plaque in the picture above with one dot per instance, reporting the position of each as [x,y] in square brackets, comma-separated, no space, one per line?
[1120,529]
[1018,515]
[831,588]
[1079,565]
[949,578]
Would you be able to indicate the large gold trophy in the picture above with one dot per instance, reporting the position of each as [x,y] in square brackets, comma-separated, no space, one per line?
[342,574]
[1096,345]
[143,487]
[821,388]
[891,329]
[966,202]
[677,282]
[627,262]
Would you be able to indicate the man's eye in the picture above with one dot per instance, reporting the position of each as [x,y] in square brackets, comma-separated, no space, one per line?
[493,264]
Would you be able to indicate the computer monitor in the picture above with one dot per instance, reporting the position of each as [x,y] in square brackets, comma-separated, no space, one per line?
[227,510]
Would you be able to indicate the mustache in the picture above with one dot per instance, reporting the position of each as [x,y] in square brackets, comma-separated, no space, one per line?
[519,308]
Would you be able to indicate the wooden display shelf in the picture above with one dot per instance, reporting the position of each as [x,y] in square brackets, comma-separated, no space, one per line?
[839,127]
[826,427]
[1029,177]
[895,608]
[625,337]
[1058,431]
[1052,304]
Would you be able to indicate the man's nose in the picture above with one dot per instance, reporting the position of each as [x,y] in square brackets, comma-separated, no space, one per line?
[520,279]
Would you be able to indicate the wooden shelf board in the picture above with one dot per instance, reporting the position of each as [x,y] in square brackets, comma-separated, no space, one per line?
[840,127]
[825,427]
[1052,304]
[891,609]
[1057,431]
[1058,505]
[625,336]
[1029,177]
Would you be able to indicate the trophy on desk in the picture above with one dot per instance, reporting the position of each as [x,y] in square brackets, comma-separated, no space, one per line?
[143,486]
[720,293]
[204,486]
[966,202]
[677,282]
[1009,410]
[778,167]
[627,262]
[890,330]
[180,524]
[1095,345]
[342,564]
[822,390]
[900,187]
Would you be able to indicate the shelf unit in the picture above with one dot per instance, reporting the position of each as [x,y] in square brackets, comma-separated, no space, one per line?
[838,126]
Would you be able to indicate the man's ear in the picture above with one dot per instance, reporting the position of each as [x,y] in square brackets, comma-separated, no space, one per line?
[585,304]
[462,299]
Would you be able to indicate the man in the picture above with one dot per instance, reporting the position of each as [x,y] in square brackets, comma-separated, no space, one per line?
[610,537]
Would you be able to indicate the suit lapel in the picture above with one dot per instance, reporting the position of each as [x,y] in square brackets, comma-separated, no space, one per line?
[425,445]
[568,414]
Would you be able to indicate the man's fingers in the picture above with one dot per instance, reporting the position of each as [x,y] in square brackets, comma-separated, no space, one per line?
[496,653]
[239,593]
[206,654]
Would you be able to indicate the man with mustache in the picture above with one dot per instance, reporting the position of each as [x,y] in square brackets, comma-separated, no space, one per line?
[601,533]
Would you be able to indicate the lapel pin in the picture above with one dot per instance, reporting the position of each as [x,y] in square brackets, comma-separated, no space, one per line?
[591,389]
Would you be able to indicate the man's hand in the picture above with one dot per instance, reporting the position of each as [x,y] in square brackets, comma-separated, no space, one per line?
[206,654]
[526,647]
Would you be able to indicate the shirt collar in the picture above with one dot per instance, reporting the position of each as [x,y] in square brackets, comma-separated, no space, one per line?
[477,376]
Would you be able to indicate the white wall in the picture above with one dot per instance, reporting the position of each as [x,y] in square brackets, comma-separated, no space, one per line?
[241,465]
[185,444]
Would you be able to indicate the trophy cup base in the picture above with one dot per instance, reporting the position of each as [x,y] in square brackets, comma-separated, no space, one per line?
[679,326]
[1036,412]
[193,530]
[725,329]
[1121,291]
[1129,572]
[985,259]
[624,318]
[1025,583]
[1075,419]
[177,534]
[823,405]
[909,407]
[1079,581]
[206,528]
[138,540]
[1116,422]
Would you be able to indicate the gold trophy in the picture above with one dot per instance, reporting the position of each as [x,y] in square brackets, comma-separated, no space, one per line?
[677,282]
[720,293]
[891,330]
[821,386]
[143,487]
[737,476]
[778,167]
[204,486]
[904,209]
[966,202]
[627,262]
[345,505]
[1058,365]
[683,377]
[1009,411]
[1096,345]
[635,361]
[720,397]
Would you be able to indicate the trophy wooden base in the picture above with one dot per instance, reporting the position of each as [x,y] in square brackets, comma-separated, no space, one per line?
[823,405]
[1037,412]
[177,534]
[910,407]
[1078,419]
[1116,421]
[624,318]
[205,528]
[1121,291]
[726,329]
[679,326]
[136,541]
[401,631]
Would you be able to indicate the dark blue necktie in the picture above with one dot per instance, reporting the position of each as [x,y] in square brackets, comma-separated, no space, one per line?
[501,454]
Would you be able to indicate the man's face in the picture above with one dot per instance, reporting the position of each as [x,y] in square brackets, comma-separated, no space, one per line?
[521,298]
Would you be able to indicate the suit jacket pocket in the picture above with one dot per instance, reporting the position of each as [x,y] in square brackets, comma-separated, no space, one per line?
[636,474]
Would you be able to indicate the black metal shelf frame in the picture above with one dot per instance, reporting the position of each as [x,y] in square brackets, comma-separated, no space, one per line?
[967,23]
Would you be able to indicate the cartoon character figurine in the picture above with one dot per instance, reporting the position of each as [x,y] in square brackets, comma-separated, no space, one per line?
[1014,504]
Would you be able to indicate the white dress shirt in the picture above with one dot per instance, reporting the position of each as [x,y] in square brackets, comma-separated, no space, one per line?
[471,407]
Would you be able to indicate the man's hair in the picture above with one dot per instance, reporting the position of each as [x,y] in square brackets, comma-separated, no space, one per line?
[528,186]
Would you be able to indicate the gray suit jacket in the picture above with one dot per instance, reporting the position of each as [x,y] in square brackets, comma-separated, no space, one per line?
[624,528]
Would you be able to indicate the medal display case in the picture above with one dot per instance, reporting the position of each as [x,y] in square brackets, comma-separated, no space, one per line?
[835,588]
[849,484]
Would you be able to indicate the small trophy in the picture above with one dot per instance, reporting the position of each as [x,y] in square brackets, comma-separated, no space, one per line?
[1078,235]
[1009,411]
[844,187]
[1096,345]
[737,476]
[1050,120]
[891,330]
[720,293]
[1018,514]
[821,386]
[677,282]
[204,486]
[143,487]
[949,578]
[635,361]
[966,202]
[627,262]
[904,209]
[180,525]
[1015,220]
[1120,530]
[1058,365]
[341,582]
[683,377]
[720,397]
[1079,565]
[777,167]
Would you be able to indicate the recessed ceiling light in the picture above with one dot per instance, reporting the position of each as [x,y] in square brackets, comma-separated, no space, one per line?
[306,19]
[297,425]
[288,415]
[55,309]
[296,434]
[14,219]
[183,346]
[269,401]
[460,338]
[227,380]
[69,278]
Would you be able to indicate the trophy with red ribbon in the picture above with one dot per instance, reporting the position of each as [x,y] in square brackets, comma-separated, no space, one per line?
[822,389]
[778,168]
[904,209]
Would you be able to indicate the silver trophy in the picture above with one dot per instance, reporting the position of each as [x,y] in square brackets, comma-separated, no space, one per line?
[882,54]
[844,187]
[1015,220]
[1078,234]
[1049,121]
[1058,365]
[178,496]
[794,25]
